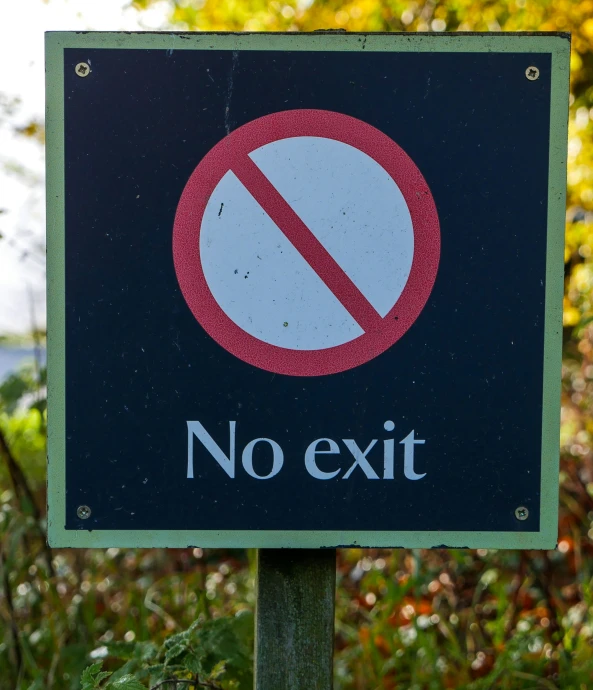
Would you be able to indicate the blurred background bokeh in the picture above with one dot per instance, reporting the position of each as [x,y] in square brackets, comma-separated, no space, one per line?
[405,619]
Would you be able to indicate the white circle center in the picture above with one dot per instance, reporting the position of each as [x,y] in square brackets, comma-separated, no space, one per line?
[352,206]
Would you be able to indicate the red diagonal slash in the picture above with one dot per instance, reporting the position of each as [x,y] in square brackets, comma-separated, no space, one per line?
[305,242]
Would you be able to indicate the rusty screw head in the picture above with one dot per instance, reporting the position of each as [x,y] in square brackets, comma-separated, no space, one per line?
[83,512]
[532,73]
[521,513]
[83,69]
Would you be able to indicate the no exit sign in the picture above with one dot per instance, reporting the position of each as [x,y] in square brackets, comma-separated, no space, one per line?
[305,290]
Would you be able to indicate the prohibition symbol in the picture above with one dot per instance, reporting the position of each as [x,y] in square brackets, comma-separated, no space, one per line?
[306,242]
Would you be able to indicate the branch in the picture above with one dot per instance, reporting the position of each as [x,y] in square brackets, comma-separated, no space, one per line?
[14,630]
[24,493]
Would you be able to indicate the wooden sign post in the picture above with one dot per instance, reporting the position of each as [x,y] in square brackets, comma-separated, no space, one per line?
[294,619]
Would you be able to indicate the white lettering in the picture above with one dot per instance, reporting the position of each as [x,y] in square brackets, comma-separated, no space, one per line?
[360,458]
[312,451]
[227,463]
[277,458]
[388,453]
[409,442]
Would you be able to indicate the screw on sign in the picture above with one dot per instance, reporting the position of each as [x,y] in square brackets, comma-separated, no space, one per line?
[521,513]
[532,73]
[306,242]
[83,69]
[83,512]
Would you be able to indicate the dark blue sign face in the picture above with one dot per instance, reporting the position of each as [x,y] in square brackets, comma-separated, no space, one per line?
[305,290]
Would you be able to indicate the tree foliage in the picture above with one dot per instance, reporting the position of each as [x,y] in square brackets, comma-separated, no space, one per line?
[210,653]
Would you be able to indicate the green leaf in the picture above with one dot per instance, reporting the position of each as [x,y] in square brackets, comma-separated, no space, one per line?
[101,676]
[160,672]
[223,645]
[179,638]
[127,682]
[13,389]
[217,670]
[193,663]
[175,651]
[89,672]
[92,676]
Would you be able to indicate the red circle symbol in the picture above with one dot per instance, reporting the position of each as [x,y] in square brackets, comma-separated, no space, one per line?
[234,153]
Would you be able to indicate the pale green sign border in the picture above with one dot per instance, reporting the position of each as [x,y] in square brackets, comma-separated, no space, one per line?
[557,45]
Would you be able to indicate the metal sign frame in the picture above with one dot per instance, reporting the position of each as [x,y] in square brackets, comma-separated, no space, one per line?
[555,45]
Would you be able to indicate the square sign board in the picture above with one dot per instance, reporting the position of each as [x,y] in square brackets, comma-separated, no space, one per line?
[305,290]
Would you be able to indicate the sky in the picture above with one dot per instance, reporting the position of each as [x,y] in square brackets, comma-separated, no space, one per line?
[22,176]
